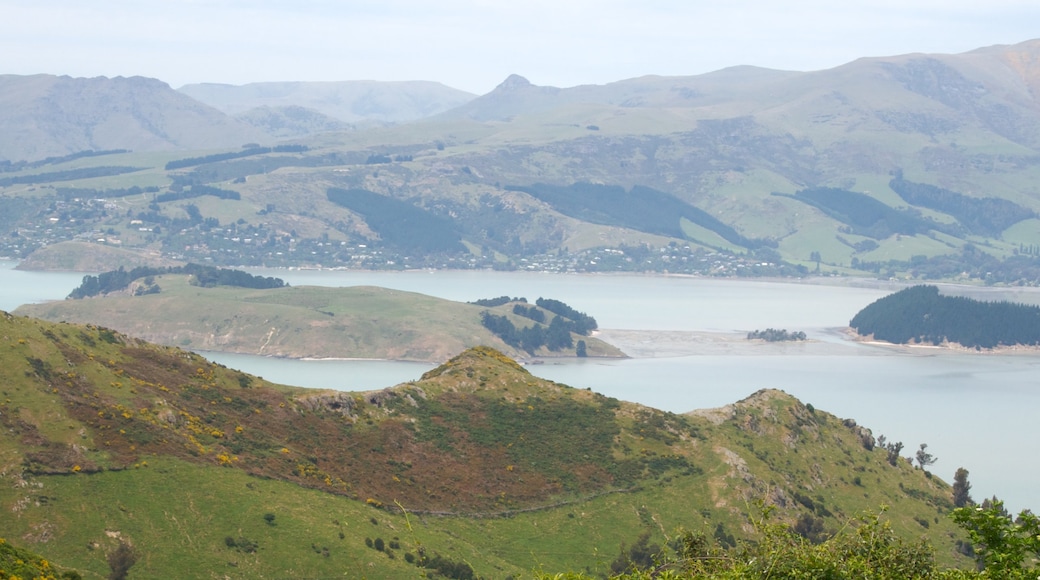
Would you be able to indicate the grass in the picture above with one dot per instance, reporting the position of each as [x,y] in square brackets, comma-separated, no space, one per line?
[562,476]
[299,322]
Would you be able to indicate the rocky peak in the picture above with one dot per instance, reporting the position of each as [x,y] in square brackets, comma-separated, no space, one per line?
[513,82]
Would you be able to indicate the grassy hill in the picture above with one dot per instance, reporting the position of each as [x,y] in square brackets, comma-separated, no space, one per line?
[209,472]
[920,165]
[299,322]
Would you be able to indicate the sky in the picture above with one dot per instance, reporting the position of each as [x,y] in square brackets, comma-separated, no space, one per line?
[473,45]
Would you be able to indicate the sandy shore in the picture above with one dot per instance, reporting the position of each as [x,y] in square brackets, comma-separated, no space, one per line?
[676,343]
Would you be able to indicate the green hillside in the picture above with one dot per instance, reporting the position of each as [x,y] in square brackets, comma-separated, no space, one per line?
[206,471]
[915,166]
[299,322]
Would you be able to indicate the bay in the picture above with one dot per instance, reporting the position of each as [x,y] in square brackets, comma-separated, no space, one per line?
[976,411]
[19,287]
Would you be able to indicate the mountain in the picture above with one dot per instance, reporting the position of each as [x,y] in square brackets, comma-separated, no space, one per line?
[346,101]
[911,166]
[44,115]
[517,96]
[299,322]
[291,121]
[202,469]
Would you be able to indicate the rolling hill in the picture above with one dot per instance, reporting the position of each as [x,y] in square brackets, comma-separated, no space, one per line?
[298,322]
[918,165]
[206,471]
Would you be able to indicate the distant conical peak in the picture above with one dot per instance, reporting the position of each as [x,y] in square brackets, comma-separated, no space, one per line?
[514,81]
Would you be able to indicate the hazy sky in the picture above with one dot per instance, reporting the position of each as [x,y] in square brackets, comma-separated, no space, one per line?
[475,44]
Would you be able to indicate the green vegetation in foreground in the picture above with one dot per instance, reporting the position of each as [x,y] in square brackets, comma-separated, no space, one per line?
[296,322]
[207,470]
[920,314]
[866,548]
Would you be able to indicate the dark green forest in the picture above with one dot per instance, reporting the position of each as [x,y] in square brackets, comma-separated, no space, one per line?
[985,216]
[862,214]
[68,175]
[922,314]
[205,276]
[582,323]
[249,152]
[400,224]
[555,336]
[197,191]
[7,166]
[640,208]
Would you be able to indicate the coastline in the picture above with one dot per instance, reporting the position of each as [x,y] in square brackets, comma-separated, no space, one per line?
[945,347]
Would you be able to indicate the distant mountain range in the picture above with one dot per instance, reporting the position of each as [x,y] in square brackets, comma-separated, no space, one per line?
[346,101]
[920,165]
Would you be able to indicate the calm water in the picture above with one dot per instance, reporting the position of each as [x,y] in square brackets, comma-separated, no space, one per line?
[975,411]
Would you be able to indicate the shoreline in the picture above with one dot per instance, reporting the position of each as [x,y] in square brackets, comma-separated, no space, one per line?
[945,347]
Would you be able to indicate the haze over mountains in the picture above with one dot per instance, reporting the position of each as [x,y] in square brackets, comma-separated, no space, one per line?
[992,88]
[914,165]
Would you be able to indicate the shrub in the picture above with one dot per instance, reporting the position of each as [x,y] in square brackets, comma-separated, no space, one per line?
[121,560]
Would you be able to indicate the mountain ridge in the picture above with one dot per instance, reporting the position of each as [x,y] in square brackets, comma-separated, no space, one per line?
[475,454]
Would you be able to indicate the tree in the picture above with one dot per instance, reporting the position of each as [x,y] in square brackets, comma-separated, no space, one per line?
[961,488]
[580,349]
[639,557]
[815,257]
[1002,545]
[893,452]
[924,459]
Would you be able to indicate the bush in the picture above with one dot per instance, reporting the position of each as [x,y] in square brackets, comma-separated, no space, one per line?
[121,560]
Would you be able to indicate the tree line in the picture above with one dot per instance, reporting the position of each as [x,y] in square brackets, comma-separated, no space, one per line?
[640,208]
[205,276]
[863,214]
[400,224]
[774,335]
[197,191]
[68,175]
[248,152]
[555,336]
[986,216]
[7,166]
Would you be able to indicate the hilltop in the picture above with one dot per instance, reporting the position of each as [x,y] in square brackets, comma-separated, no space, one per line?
[304,321]
[204,469]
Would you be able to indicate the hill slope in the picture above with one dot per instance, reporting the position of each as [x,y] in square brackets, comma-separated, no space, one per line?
[206,470]
[298,322]
[43,116]
[919,165]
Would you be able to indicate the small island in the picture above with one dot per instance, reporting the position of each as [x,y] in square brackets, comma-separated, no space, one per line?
[921,315]
[774,335]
